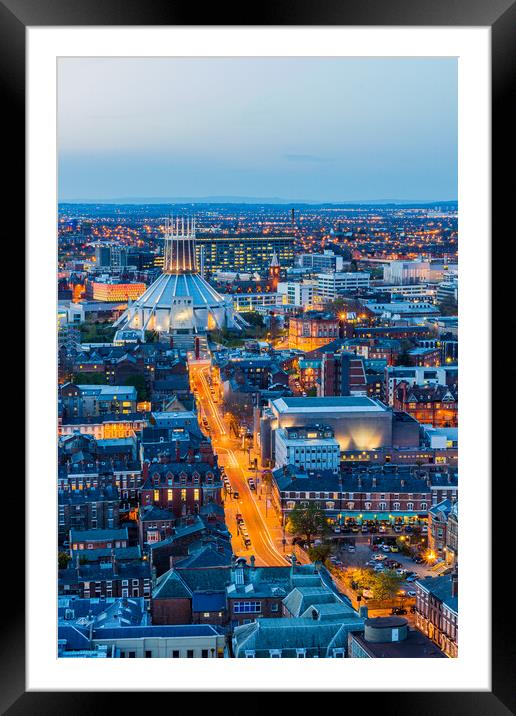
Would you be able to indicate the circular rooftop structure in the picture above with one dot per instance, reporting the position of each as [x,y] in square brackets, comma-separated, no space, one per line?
[180,301]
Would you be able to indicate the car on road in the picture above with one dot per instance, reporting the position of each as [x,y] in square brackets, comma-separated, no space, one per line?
[398,610]
[289,557]
[411,593]
[408,528]
[236,495]
[424,529]
[247,542]
[411,578]
[251,483]
[351,548]
[401,572]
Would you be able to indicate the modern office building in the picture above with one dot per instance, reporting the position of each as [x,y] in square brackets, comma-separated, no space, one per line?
[244,253]
[331,285]
[297,293]
[359,423]
[327,261]
[112,290]
[312,448]
[418,271]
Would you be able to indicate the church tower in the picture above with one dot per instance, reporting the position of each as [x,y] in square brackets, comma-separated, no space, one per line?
[274,272]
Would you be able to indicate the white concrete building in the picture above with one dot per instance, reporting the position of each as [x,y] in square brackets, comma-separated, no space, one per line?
[310,447]
[295,293]
[330,285]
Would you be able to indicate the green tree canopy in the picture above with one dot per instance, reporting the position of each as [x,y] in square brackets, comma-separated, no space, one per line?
[307,522]
[138,381]
[63,558]
[89,379]
[385,585]
[319,553]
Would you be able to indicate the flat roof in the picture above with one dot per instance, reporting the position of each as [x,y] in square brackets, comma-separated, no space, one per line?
[341,404]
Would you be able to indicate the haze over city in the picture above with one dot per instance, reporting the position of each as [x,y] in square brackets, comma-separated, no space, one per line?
[257,129]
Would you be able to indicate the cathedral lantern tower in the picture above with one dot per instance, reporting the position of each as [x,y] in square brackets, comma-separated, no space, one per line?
[180,305]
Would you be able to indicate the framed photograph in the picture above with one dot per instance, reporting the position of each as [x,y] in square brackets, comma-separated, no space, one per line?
[262,235]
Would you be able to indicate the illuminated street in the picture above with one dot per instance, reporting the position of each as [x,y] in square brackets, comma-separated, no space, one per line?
[265,545]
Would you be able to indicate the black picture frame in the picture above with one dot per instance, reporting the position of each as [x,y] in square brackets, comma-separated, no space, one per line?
[15,17]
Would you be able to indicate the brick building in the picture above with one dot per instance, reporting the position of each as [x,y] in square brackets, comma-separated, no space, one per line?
[181,487]
[437,611]
[436,405]
[312,330]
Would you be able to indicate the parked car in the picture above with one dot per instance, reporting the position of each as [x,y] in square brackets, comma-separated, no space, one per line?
[386,548]
[397,528]
[398,610]
[236,495]
[336,529]
[424,529]
[382,528]
[408,528]
[412,578]
[411,593]
[394,548]
[364,529]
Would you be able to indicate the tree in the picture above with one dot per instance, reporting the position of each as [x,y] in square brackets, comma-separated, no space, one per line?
[319,553]
[307,522]
[385,585]
[89,379]
[358,578]
[63,558]
[138,381]
[448,306]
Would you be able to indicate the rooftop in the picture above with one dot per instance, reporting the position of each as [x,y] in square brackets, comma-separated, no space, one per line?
[341,404]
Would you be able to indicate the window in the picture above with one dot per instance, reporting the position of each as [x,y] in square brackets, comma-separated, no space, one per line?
[169,495]
[148,654]
[175,654]
[274,607]
[338,653]
[247,607]
[250,654]
[301,653]
[183,495]
[196,494]
[275,653]
[156,495]
[204,653]
[190,654]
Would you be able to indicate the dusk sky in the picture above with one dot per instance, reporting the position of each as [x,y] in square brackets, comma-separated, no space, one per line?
[336,129]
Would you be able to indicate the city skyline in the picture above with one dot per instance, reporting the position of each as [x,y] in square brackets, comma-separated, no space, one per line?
[315,130]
